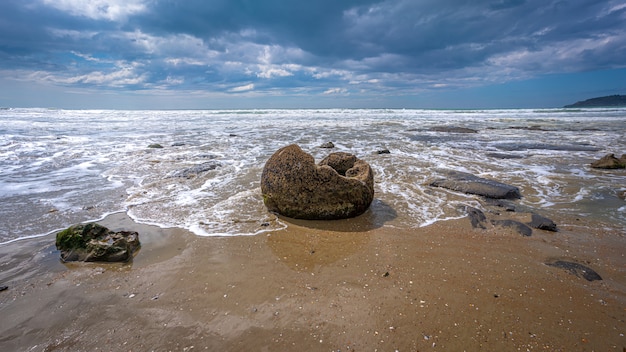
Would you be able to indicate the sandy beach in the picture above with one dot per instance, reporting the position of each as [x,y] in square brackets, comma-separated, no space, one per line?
[444,287]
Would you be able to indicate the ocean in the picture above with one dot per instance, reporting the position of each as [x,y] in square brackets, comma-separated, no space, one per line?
[61,167]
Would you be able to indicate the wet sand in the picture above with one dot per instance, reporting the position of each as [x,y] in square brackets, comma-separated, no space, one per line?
[316,287]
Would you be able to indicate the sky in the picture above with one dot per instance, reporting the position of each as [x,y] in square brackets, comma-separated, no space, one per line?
[223,54]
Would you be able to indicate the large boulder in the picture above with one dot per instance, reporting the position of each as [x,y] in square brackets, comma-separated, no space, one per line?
[341,186]
[609,161]
[93,242]
[471,184]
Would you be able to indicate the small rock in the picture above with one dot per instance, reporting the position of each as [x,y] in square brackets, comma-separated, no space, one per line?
[178,144]
[327,145]
[4,288]
[384,151]
[543,223]
[476,216]
[155,146]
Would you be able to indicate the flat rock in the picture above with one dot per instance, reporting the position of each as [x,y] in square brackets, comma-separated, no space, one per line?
[519,227]
[468,183]
[453,129]
[341,186]
[579,270]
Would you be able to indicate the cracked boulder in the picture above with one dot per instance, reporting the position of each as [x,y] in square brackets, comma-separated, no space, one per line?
[340,186]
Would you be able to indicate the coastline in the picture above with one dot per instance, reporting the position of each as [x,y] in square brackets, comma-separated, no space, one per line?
[443,287]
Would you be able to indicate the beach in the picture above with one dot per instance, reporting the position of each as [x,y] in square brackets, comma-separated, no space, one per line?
[218,271]
[443,287]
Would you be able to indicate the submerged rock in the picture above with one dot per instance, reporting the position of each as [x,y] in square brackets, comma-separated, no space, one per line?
[609,161]
[196,170]
[327,145]
[468,183]
[453,129]
[576,269]
[341,186]
[155,146]
[93,242]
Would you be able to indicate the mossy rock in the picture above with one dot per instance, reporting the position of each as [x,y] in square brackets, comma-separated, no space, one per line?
[94,242]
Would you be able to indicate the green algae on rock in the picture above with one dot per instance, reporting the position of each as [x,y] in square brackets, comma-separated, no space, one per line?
[93,242]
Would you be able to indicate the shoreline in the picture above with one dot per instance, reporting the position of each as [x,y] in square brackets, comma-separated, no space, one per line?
[443,287]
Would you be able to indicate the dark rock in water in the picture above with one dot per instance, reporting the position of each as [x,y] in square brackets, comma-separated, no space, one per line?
[521,228]
[504,156]
[468,183]
[477,217]
[196,169]
[576,269]
[453,129]
[542,223]
[4,288]
[178,144]
[155,146]
[621,194]
[341,186]
[383,151]
[609,161]
[328,145]
[93,242]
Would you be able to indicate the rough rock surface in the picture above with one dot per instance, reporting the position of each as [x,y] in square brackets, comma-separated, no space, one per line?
[468,183]
[341,186]
[609,161]
[93,242]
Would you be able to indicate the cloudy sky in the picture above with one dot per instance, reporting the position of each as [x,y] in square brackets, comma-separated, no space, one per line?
[322,53]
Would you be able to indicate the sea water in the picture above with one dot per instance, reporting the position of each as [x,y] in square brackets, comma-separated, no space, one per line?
[61,167]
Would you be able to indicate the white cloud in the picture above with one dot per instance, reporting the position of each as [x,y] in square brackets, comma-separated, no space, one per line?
[245,88]
[335,91]
[123,76]
[269,71]
[112,10]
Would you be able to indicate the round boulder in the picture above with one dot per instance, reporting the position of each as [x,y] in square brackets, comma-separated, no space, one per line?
[341,186]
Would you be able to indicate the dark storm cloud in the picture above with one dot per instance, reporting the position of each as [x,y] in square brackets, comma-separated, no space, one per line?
[327,45]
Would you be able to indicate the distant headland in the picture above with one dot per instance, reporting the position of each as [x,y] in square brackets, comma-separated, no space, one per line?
[610,100]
